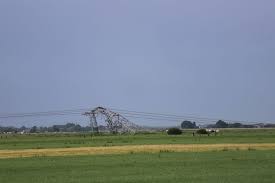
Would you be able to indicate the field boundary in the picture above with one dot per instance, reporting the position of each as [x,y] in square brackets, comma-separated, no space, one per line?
[133,149]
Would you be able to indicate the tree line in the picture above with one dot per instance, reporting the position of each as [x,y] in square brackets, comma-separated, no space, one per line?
[69,127]
[223,124]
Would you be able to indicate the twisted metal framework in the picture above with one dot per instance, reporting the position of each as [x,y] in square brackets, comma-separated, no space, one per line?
[115,121]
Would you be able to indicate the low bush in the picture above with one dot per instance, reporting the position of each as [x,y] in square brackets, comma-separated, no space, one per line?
[174,131]
[202,131]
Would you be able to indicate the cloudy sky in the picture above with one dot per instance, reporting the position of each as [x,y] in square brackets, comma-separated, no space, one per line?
[212,58]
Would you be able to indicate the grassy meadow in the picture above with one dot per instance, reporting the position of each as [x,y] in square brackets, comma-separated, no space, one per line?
[40,141]
[218,166]
[238,164]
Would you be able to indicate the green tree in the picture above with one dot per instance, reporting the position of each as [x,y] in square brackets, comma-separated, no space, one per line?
[188,124]
[235,125]
[221,124]
[33,129]
[56,128]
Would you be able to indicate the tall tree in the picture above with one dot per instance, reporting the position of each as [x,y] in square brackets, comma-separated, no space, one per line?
[188,124]
[221,124]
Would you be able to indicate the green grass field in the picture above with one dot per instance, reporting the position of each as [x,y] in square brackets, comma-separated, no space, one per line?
[38,141]
[223,166]
[248,165]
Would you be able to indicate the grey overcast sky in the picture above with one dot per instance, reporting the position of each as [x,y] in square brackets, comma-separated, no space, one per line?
[213,58]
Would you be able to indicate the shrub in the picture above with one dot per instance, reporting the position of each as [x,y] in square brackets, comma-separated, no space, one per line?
[174,131]
[202,131]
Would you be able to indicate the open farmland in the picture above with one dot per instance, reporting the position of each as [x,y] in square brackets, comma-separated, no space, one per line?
[234,155]
[133,149]
[40,141]
[223,166]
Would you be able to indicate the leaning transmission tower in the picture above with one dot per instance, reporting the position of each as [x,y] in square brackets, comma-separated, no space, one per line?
[115,122]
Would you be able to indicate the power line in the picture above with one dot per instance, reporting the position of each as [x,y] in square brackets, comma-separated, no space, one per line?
[126,113]
[185,117]
[43,113]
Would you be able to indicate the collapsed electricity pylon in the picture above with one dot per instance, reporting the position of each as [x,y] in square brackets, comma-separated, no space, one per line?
[115,122]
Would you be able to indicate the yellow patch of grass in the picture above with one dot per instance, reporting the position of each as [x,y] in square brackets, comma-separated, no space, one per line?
[133,149]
